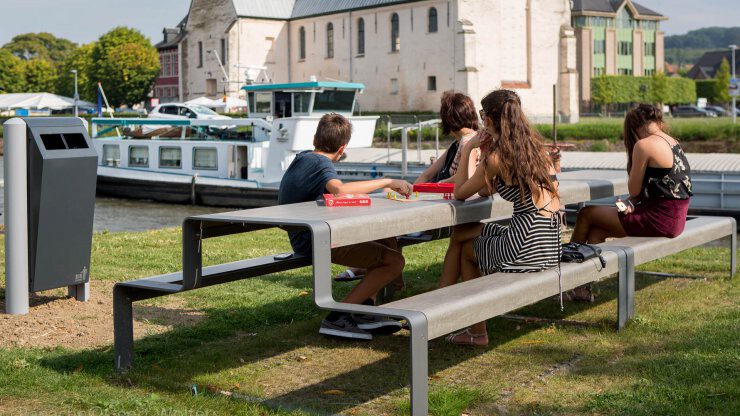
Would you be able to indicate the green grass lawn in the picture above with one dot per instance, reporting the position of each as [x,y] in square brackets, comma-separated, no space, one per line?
[259,342]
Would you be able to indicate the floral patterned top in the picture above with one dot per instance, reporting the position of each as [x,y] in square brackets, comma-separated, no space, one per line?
[669,183]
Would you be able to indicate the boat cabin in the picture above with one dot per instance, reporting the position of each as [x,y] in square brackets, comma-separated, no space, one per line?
[302,99]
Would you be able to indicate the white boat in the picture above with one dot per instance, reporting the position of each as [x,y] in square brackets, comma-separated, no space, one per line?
[239,164]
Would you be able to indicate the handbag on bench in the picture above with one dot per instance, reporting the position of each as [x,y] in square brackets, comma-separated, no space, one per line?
[580,252]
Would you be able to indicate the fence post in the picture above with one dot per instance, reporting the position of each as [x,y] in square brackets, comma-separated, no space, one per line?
[404,151]
[418,142]
[16,218]
[390,124]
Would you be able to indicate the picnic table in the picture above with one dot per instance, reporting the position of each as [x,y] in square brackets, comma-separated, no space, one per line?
[334,227]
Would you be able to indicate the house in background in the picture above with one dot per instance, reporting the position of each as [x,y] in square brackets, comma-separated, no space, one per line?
[167,86]
[706,67]
[615,37]
[407,53]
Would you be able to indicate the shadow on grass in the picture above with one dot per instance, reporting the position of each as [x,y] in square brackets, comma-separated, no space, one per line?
[230,338]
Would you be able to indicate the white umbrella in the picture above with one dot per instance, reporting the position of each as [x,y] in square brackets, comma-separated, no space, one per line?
[40,100]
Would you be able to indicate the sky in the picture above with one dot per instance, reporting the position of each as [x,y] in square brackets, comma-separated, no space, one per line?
[83,21]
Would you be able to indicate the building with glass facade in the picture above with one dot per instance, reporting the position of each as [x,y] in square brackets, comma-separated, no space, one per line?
[615,37]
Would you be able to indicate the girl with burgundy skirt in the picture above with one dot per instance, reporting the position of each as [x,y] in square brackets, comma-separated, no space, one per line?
[659,186]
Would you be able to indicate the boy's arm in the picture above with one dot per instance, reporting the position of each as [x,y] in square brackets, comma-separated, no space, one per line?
[336,186]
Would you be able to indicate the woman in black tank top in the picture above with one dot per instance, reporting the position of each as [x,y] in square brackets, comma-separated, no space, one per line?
[659,187]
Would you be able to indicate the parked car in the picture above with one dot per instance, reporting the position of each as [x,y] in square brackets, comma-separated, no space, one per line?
[721,112]
[180,111]
[692,111]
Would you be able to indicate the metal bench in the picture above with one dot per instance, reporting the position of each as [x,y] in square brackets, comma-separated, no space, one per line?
[458,306]
[340,227]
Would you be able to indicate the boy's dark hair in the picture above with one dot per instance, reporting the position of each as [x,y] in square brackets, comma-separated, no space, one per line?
[457,112]
[333,132]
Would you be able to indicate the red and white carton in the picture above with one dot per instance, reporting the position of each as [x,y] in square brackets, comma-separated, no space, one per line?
[347,200]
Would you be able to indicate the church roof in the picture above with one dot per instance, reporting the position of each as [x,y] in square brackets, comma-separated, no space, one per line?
[297,9]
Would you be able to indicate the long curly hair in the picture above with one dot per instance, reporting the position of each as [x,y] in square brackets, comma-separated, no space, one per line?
[638,117]
[523,159]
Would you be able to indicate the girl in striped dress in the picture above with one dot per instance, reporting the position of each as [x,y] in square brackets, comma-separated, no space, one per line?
[515,164]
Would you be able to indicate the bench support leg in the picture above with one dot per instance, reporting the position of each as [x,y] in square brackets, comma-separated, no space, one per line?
[626,296]
[123,329]
[419,366]
[733,249]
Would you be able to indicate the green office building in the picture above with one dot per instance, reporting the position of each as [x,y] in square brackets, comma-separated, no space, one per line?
[615,37]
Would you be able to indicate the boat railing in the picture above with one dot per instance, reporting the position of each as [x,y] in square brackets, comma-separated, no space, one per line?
[405,129]
[111,124]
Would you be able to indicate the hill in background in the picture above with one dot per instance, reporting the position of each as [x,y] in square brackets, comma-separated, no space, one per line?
[688,48]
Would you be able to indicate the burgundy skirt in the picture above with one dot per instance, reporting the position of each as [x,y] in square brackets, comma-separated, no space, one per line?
[656,217]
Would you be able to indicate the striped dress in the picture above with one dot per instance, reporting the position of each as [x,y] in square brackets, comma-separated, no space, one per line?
[530,243]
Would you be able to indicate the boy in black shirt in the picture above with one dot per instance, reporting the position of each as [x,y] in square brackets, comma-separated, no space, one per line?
[309,176]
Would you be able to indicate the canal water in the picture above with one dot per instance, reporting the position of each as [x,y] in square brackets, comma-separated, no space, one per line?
[114,215]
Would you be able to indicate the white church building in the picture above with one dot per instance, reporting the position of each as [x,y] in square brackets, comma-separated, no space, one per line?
[406,53]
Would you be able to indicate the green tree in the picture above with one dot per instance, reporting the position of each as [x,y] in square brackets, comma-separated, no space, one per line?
[660,89]
[11,73]
[722,92]
[81,60]
[126,64]
[41,76]
[43,45]
[603,91]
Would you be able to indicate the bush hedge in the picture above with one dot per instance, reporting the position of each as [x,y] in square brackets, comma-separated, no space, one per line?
[623,89]
[684,129]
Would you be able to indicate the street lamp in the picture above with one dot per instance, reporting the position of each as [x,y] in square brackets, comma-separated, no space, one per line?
[734,96]
[77,96]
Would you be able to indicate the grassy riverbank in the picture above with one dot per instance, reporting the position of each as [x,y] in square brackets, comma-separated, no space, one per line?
[257,340]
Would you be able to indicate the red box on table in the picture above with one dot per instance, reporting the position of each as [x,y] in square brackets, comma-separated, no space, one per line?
[347,200]
[435,188]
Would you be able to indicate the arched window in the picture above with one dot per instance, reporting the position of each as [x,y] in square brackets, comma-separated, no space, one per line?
[432,20]
[395,34]
[330,40]
[302,43]
[360,36]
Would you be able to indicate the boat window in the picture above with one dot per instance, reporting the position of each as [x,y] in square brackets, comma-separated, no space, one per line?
[301,102]
[340,101]
[138,156]
[205,158]
[250,101]
[111,155]
[170,157]
[263,102]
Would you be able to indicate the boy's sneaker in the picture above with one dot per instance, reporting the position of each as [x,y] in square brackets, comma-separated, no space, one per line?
[344,327]
[377,324]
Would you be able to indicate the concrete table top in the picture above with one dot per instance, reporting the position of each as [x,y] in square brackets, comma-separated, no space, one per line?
[388,218]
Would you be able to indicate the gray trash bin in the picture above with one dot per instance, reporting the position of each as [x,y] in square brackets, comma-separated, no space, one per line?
[62,173]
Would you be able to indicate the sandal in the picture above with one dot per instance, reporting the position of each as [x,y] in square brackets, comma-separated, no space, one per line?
[348,276]
[465,337]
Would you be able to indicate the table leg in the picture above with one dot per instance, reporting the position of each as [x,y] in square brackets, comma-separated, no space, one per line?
[123,329]
[192,254]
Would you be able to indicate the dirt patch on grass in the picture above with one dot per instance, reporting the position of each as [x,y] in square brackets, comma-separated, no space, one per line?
[55,320]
